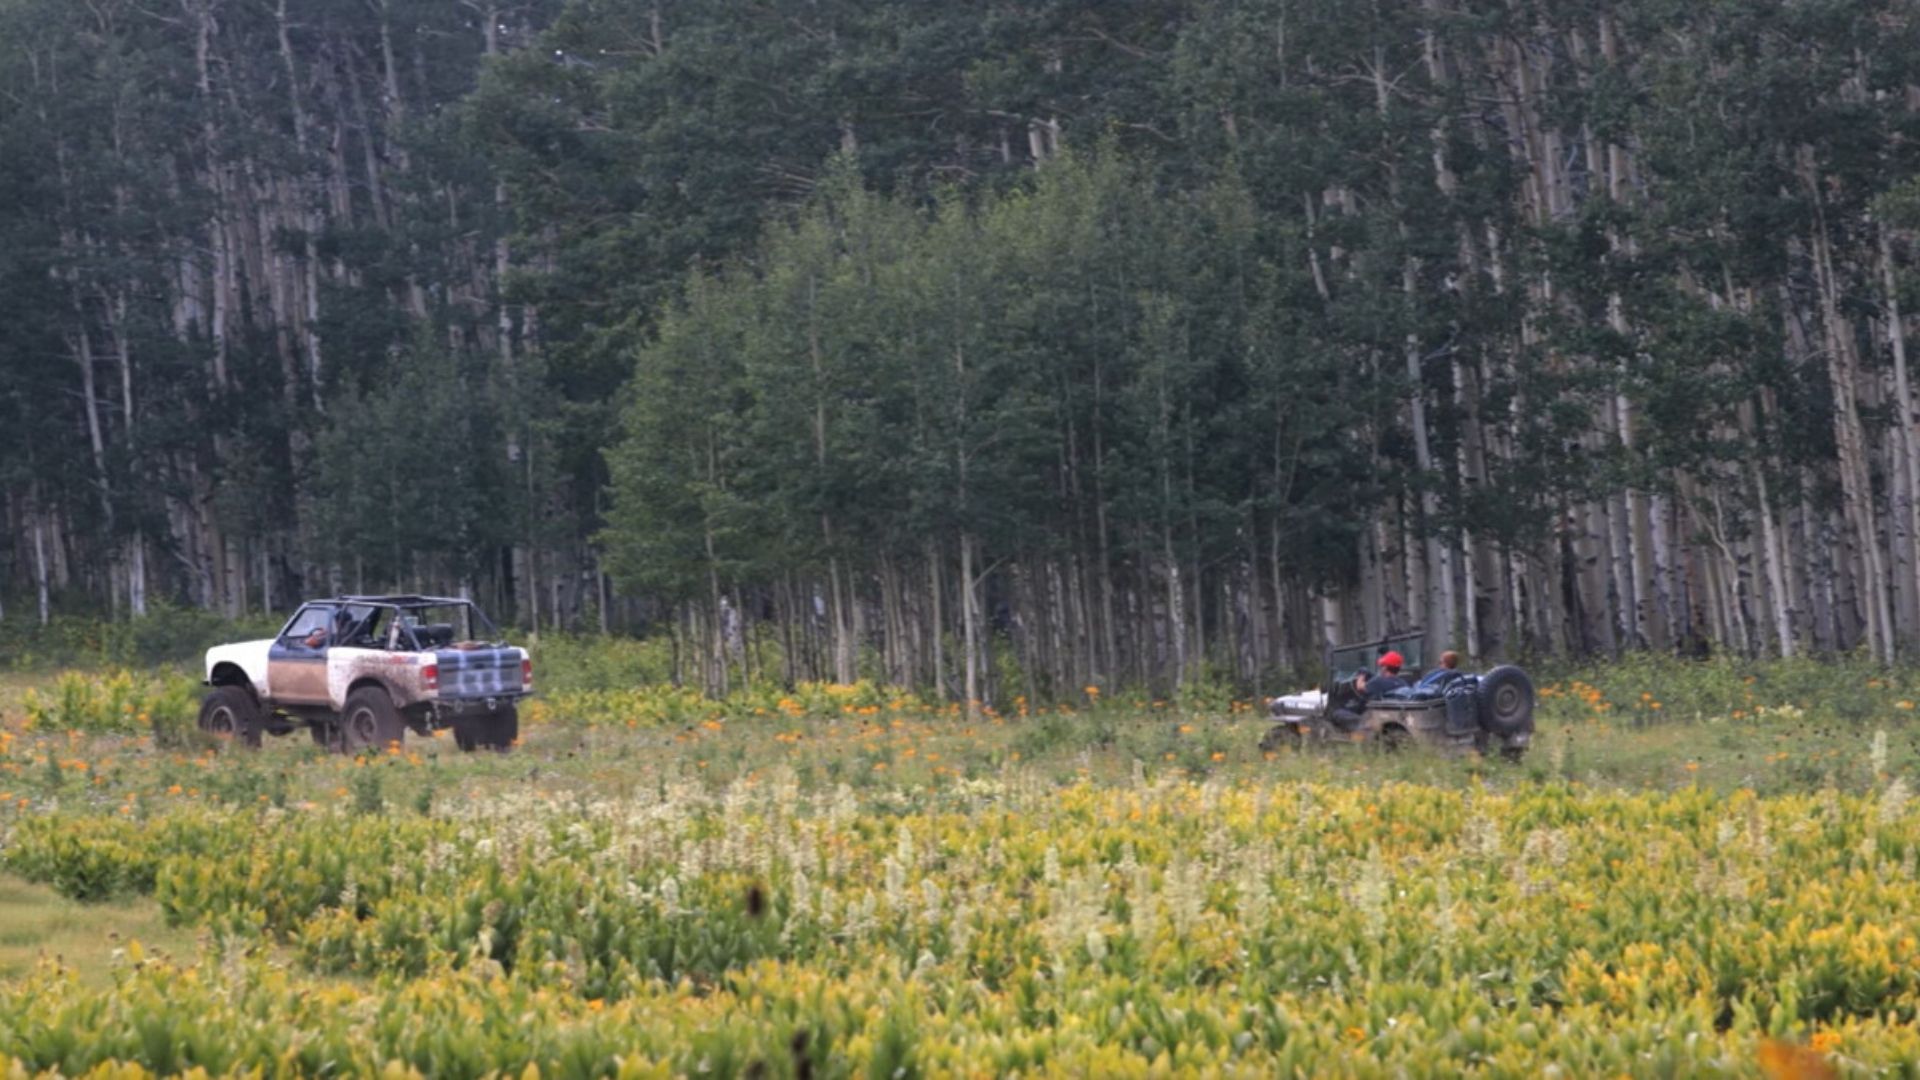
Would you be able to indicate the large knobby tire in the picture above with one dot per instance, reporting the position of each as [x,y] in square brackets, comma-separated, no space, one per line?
[229,712]
[1506,701]
[370,722]
[1280,737]
[497,730]
[506,728]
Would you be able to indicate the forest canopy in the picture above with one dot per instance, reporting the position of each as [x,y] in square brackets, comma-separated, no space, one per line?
[1005,348]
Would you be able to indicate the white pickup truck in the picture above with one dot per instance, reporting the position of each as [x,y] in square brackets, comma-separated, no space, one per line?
[359,671]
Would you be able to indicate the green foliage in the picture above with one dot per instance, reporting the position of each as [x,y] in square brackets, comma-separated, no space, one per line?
[885,380]
[1007,923]
[1144,297]
[369,795]
[1851,692]
[567,663]
[411,474]
[166,635]
[91,859]
[1048,733]
[165,706]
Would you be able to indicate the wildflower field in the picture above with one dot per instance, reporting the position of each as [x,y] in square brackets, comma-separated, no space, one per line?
[1700,870]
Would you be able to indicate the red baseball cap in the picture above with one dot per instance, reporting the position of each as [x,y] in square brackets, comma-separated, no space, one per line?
[1391,660]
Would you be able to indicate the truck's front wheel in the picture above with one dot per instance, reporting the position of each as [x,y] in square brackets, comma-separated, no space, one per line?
[370,722]
[229,712]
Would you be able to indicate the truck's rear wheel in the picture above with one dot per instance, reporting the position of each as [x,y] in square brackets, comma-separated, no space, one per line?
[230,713]
[497,730]
[506,728]
[370,722]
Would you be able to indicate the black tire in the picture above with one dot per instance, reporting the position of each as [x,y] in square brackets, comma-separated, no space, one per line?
[1280,737]
[229,712]
[506,728]
[497,730]
[370,722]
[1506,701]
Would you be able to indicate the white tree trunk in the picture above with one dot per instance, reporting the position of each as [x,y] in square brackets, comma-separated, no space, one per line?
[970,624]
[40,565]
[1905,478]
[1850,438]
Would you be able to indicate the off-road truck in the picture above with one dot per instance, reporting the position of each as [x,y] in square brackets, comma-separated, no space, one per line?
[358,672]
[1491,712]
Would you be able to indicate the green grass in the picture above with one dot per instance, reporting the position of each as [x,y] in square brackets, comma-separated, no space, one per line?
[1639,725]
[13,688]
[1703,731]
[37,924]
[1768,754]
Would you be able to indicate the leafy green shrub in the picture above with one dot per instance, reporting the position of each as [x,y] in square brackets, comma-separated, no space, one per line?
[116,703]
[1046,733]
[1645,688]
[581,662]
[166,635]
[87,859]
[369,795]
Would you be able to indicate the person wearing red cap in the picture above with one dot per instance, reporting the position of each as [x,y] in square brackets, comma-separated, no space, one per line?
[1388,680]
[1346,717]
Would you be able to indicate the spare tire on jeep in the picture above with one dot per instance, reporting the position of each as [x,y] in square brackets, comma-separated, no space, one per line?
[1506,702]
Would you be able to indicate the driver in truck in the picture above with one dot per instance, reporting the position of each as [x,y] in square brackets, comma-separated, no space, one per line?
[335,634]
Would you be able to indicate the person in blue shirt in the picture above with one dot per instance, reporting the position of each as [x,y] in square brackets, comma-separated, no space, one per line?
[1439,677]
[1384,683]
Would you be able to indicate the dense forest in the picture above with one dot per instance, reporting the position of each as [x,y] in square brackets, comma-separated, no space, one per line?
[1004,348]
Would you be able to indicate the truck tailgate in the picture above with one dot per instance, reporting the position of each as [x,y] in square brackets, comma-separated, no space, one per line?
[473,673]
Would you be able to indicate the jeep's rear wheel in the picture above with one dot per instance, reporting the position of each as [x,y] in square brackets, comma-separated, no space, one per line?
[230,713]
[1512,751]
[370,722]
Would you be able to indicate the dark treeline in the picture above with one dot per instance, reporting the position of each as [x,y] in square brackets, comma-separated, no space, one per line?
[1007,348]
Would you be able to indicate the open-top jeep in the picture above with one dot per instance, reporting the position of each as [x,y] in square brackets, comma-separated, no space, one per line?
[1492,712]
[359,671]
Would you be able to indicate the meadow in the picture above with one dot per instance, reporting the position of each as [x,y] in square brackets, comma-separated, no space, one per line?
[1701,869]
